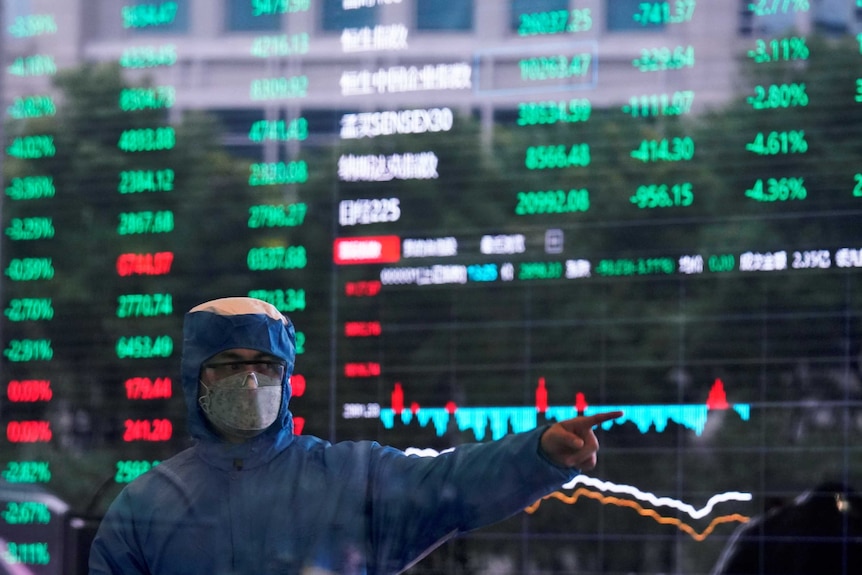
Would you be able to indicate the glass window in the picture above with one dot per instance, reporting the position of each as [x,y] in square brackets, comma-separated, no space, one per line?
[156,17]
[13,9]
[520,7]
[832,17]
[630,15]
[444,14]
[773,24]
[337,18]
[241,17]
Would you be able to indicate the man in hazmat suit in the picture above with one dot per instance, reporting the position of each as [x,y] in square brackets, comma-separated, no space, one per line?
[251,498]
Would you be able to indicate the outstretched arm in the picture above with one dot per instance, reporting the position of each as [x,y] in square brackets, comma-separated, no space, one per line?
[572,443]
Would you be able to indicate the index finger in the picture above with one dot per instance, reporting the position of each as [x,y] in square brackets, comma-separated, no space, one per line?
[600,418]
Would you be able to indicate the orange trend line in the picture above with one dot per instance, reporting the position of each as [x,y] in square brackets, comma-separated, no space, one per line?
[606,499]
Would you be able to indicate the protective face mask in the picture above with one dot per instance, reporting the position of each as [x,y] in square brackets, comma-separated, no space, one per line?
[243,404]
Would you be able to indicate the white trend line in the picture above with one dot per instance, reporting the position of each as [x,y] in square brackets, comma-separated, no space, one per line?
[426,451]
[659,501]
[628,490]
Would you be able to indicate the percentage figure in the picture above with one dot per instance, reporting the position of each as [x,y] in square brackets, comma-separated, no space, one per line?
[29,390]
[30,229]
[38,431]
[35,65]
[33,25]
[30,269]
[779,50]
[25,350]
[28,553]
[29,309]
[778,190]
[25,513]
[770,7]
[809,259]
[32,147]
[32,107]
[27,472]
[779,96]
[774,143]
[31,188]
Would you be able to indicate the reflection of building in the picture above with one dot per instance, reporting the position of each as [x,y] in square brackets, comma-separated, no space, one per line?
[330,56]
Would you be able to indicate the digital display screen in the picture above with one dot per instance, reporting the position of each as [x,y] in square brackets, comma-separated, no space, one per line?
[483,216]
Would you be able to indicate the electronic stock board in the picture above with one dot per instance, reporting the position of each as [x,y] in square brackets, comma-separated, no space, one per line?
[482,216]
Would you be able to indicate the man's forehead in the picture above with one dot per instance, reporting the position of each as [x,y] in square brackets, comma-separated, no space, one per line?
[241,353]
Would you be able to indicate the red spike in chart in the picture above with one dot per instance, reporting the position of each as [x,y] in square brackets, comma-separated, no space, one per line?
[541,396]
[581,404]
[397,399]
[717,398]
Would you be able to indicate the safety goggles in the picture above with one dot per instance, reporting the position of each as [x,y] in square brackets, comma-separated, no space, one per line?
[269,368]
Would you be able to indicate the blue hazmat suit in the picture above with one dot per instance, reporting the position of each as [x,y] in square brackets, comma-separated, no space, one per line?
[295,504]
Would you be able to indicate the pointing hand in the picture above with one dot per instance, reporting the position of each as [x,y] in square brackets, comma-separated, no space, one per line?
[572,443]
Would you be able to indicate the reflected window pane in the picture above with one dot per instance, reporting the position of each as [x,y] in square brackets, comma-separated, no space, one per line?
[629,15]
[240,16]
[520,7]
[336,18]
[444,14]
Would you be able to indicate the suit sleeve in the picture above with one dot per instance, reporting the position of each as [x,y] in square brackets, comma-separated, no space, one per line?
[114,550]
[419,502]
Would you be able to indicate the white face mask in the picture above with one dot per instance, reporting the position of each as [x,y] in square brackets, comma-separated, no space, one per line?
[242,405]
